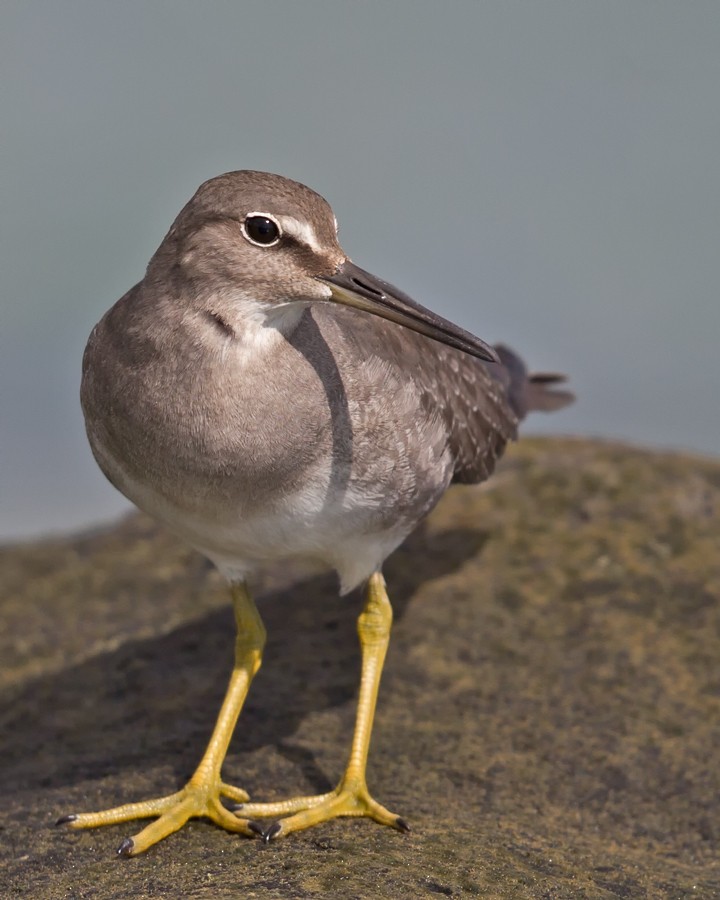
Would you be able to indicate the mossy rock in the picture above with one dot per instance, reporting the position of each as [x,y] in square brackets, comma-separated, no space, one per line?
[549,719]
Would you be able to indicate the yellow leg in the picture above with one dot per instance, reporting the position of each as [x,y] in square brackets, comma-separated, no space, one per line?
[351,797]
[201,795]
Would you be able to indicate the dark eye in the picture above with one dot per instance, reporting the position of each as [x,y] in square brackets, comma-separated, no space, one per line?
[261,230]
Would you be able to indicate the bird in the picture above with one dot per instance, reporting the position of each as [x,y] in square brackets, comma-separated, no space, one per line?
[267,399]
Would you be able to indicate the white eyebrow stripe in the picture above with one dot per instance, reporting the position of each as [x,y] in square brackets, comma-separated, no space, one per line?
[303,231]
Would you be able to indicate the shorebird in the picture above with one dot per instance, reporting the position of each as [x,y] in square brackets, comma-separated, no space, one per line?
[267,399]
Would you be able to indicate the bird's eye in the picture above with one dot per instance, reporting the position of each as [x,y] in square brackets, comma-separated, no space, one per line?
[261,230]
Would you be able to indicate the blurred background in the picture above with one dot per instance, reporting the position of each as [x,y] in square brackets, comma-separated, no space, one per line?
[546,174]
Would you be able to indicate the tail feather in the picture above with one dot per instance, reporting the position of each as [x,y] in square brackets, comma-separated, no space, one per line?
[541,398]
[531,392]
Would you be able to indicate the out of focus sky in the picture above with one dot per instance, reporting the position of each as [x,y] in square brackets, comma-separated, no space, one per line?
[545,173]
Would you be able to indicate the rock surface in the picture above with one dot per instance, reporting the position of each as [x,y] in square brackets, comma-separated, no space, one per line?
[549,719]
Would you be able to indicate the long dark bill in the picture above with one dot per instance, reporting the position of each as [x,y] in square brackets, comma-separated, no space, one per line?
[355,287]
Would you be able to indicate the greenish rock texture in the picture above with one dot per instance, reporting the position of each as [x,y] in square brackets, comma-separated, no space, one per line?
[548,724]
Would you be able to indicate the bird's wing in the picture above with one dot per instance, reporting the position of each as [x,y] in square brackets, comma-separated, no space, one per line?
[479,403]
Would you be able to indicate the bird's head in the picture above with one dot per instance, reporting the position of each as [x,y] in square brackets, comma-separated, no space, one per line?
[270,244]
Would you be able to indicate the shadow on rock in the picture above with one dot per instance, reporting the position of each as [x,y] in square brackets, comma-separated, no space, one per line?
[156,700]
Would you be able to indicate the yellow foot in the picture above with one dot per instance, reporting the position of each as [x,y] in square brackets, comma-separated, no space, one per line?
[193,801]
[303,812]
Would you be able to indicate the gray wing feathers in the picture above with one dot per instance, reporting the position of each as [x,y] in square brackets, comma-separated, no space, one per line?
[480,403]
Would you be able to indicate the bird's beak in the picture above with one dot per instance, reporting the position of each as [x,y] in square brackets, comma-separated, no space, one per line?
[353,286]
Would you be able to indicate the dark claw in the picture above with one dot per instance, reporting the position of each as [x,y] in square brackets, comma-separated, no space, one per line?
[256,826]
[234,806]
[126,848]
[270,832]
[402,825]
[63,820]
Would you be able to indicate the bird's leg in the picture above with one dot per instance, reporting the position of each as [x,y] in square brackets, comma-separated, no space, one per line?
[351,797]
[201,795]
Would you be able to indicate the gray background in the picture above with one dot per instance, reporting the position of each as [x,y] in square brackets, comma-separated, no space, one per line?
[545,173]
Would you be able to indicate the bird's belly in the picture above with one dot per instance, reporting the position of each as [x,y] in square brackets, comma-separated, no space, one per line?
[349,532]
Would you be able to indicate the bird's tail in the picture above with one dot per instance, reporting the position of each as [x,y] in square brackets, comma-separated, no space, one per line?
[530,392]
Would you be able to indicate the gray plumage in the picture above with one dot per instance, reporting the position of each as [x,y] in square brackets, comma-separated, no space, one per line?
[227,396]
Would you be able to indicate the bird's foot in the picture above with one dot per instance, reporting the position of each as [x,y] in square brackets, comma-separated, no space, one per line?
[198,799]
[348,799]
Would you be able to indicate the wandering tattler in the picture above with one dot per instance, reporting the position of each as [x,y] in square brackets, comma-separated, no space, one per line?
[258,393]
